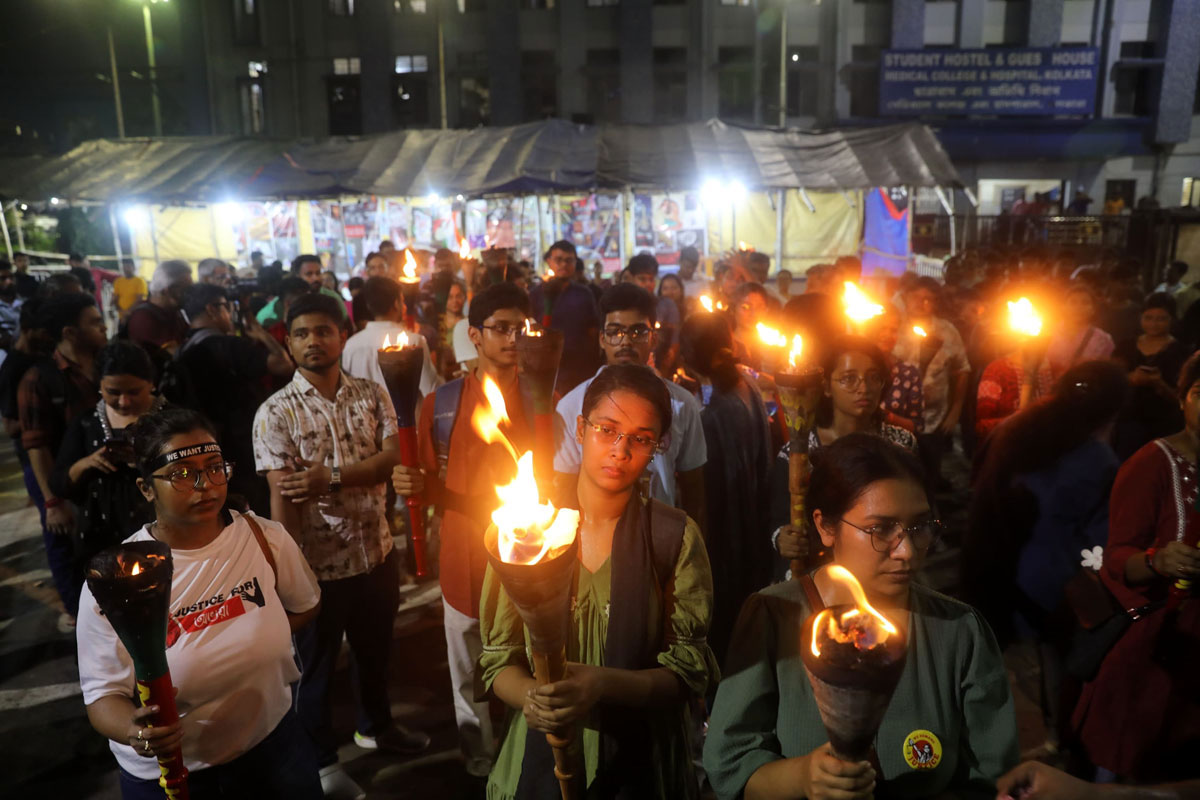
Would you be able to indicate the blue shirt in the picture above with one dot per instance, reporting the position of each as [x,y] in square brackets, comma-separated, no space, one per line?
[575,313]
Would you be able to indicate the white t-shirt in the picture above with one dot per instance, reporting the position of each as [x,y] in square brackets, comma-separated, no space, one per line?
[229,646]
[685,451]
[360,356]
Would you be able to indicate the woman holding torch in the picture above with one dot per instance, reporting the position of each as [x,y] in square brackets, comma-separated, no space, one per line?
[239,589]
[948,729]
[639,612]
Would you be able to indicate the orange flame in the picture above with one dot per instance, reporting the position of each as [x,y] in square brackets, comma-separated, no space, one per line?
[919,331]
[530,330]
[859,306]
[464,248]
[528,530]
[1024,318]
[770,336]
[862,625]
[797,351]
[410,268]
[137,569]
[745,247]
[401,342]
[706,303]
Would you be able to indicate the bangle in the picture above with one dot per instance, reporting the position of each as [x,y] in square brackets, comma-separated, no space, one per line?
[52,502]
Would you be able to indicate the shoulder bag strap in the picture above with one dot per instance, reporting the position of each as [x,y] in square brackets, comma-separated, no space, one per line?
[815,602]
[666,540]
[1087,337]
[261,538]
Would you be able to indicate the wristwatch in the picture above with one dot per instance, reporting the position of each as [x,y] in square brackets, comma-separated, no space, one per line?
[335,480]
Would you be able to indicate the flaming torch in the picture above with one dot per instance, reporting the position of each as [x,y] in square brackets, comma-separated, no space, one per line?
[1023,318]
[853,656]
[538,354]
[929,346]
[401,365]
[533,548]
[799,385]
[410,283]
[859,307]
[132,587]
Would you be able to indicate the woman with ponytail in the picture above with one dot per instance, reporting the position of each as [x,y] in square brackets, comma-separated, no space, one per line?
[737,473]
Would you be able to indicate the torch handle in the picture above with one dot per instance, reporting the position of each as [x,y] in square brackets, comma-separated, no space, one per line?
[548,668]
[416,506]
[797,491]
[160,692]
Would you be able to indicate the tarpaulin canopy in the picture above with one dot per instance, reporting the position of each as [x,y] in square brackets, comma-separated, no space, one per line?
[554,155]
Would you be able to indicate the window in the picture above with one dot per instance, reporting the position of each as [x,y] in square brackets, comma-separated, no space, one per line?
[1191,192]
[864,80]
[803,70]
[601,3]
[745,3]
[245,22]
[341,8]
[536,5]
[406,64]
[735,82]
[345,105]
[670,84]
[539,84]
[410,99]
[1005,23]
[1135,76]
[603,85]
[347,66]
[474,102]
[1124,189]
[251,99]
[410,6]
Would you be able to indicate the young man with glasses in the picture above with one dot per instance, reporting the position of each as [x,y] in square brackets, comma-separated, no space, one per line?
[564,303]
[464,493]
[327,443]
[224,380]
[676,473]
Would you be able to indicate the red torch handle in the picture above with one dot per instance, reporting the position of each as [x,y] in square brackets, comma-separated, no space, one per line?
[159,692]
[416,506]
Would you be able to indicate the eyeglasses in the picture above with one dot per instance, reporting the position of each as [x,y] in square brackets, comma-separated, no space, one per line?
[188,478]
[613,334]
[850,381]
[886,536]
[505,330]
[609,436]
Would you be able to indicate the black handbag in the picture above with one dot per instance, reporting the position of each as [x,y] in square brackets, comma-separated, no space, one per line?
[1102,623]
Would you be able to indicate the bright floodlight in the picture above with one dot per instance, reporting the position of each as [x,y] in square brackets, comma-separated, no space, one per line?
[229,212]
[737,192]
[53,201]
[433,197]
[136,217]
[712,193]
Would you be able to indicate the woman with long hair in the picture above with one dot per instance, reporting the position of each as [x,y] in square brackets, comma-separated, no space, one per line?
[737,472]
[640,606]
[949,729]
[1153,360]
[240,587]
[1139,719]
[855,376]
[95,469]
[1039,498]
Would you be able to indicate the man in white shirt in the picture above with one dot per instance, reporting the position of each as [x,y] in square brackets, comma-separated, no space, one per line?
[693,285]
[360,358]
[627,337]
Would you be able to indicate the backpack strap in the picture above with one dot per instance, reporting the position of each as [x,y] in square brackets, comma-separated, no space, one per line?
[667,524]
[446,400]
[261,538]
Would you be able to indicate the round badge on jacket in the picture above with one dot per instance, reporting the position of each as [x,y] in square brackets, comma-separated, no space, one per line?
[922,750]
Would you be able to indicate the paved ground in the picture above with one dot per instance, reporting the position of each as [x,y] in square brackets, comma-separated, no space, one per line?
[50,751]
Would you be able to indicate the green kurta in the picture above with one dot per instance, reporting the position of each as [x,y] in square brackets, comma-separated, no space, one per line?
[954,686]
[681,631]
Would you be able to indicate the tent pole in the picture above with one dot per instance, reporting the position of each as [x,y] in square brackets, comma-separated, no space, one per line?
[116,234]
[4,228]
[621,229]
[537,228]
[153,235]
[346,244]
[912,204]
[779,230]
[17,215]
[212,232]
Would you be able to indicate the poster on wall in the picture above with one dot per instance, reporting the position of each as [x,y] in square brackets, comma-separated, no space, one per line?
[593,224]
[397,217]
[666,223]
[326,218]
[269,228]
[361,231]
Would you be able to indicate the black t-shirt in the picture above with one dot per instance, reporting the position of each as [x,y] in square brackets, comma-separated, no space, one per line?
[27,285]
[226,373]
[11,372]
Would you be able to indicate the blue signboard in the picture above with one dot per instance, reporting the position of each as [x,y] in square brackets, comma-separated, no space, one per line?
[995,82]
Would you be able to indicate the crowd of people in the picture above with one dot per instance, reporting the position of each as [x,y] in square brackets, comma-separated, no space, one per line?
[240,416]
